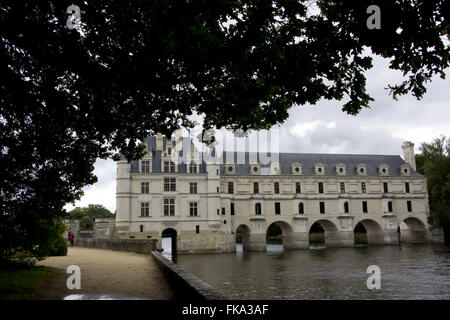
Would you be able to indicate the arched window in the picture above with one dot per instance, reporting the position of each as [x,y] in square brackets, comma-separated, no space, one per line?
[346,207]
[390,206]
[301,208]
[258,209]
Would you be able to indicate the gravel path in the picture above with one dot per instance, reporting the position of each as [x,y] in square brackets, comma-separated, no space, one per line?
[107,274]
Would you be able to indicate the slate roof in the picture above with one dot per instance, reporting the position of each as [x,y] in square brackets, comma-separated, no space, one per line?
[286,160]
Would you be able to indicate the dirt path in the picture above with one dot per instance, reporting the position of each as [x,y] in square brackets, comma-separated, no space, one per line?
[107,274]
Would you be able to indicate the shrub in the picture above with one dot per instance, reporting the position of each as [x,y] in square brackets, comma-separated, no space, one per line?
[58,247]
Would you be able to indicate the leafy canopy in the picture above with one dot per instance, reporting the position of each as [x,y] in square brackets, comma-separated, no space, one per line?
[435,165]
[70,96]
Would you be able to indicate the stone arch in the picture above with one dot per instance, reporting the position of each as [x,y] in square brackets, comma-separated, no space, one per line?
[374,231]
[172,234]
[245,233]
[330,232]
[287,234]
[413,230]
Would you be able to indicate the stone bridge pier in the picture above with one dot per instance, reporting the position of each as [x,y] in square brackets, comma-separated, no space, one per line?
[338,230]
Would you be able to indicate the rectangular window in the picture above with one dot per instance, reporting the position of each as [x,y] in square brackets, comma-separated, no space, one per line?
[145,166]
[193,209]
[342,187]
[363,187]
[169,166]
[322,207]
[217,189]
[385,187]
[364,206]
[141,227]
[232,209]
[145,209]
[390,206]
[169,151]
[276,187]
[230,187]
[197,229]
[223,211]
[170,184]
[277,208]
[407,187]
[255,187]
[169,207]
[193,187]
[192,167]
[144,187]
[298,188]
[409,206]
[320,187]
[218,212]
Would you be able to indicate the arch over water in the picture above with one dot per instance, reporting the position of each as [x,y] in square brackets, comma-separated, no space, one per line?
[287,234]
[172,234]
[325,232]
[373,231]
[413,230]
[244,232]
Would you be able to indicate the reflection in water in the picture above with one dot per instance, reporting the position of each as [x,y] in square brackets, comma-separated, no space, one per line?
[166,245]
[407,272]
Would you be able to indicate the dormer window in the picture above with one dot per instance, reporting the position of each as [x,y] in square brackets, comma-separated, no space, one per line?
[254,169]
[383,170]
[275,168]
[341,169]
[169,166]
[145,166]
[192,167]
[230,169]
[361,169]
[404,170]
[297,168]
[319,169]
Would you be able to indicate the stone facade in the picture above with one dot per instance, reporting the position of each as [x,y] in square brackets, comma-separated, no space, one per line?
[203,200]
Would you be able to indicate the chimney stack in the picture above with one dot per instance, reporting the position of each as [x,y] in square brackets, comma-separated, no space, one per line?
[408,154]
[159,141]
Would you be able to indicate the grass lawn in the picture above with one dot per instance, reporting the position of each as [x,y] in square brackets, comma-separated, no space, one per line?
[21,283]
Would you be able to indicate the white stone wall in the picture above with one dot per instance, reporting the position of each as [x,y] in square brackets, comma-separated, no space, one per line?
[217,231]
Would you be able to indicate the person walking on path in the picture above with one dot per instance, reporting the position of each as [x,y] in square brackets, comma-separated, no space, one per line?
[71,236]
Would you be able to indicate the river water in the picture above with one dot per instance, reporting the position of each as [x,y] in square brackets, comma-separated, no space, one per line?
[407,272]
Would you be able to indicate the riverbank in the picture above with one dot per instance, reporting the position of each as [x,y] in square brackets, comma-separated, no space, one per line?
[106,274]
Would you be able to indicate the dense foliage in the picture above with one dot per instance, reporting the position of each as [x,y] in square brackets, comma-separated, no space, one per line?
[434,163]
[71,95]
[87,215]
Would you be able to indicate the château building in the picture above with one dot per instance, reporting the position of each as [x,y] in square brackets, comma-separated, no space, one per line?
[201,202]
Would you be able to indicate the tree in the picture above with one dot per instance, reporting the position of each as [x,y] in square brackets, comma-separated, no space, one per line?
[71,95]
[435,165]
[88,214]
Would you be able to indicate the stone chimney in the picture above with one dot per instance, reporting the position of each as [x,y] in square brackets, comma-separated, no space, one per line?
[408,154]
[178,140]
[159,141]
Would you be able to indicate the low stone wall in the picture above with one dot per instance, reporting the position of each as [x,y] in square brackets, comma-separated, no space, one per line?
[132,245]
[191,287]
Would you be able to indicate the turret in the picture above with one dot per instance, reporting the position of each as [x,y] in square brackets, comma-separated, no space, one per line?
[123,194]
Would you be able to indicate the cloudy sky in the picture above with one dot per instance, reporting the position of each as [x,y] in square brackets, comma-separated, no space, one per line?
[324,128]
